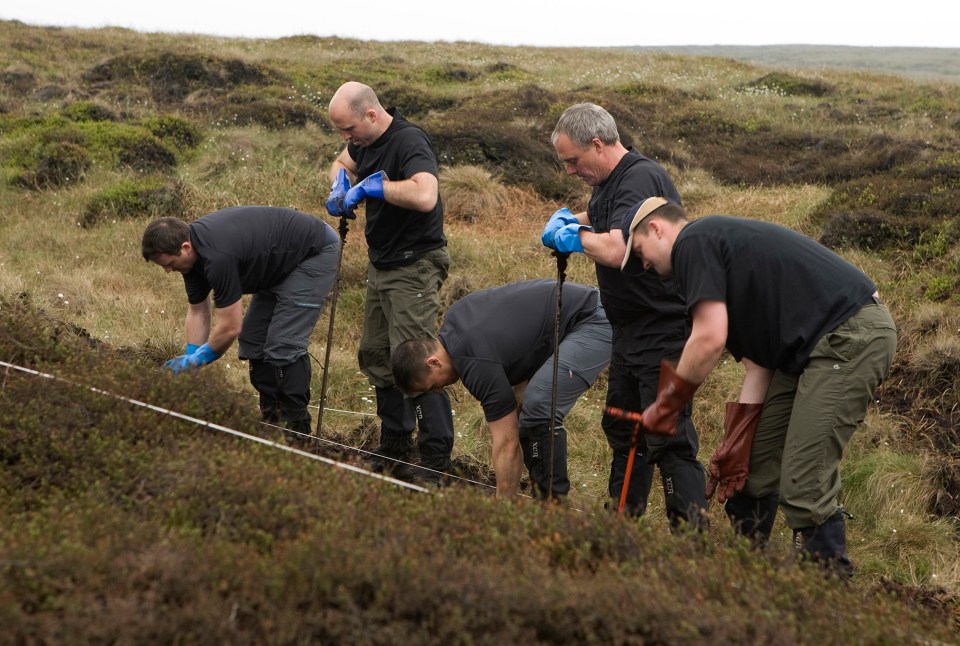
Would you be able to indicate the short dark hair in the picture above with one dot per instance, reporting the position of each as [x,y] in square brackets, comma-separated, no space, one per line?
[164,235]
[408,363]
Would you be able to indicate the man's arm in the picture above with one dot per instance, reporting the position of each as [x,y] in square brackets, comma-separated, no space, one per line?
[197,326]
[756,381]
[603,248]
[418,193]
[708,337]
[507,456]
[227,327]
[344,160]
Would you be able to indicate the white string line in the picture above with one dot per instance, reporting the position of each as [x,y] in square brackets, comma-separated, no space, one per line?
[218,427]
[354,448]
[313,406]
[418,467]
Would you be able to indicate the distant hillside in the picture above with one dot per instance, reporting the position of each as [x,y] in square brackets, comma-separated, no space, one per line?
[917,63]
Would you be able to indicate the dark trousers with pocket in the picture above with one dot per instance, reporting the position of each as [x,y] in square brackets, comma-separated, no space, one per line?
[276,332]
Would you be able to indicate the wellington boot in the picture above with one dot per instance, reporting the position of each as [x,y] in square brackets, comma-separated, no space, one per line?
[753,517]
[826,544]
[434,469]
[298,433]
[394,456]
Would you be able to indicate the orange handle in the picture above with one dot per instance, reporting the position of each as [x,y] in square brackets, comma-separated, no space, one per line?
[627,415]
[637,419]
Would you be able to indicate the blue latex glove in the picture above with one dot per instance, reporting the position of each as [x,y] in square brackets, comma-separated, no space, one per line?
[192,347]
[338,193]
[567,238]
[370,187]
[560,218]
[201,357]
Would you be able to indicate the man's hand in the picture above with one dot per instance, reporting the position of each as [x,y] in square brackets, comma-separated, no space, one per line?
[201,357]
[730,462]
[559,219]
[370,187]
[338,194]
[673,393]
[567,238]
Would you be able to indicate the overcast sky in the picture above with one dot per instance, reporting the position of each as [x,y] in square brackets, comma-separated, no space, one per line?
[918,23]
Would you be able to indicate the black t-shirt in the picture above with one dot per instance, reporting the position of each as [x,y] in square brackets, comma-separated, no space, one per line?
[500,337]
[398,236]
[783,290]
[246,249]
[647,315]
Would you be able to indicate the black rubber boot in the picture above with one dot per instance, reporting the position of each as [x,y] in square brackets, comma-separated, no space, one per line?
[293,393]
[395,453]
[684,483]
[263,377]
[641,479]
[434,437]
[299,433]
[395,456]
[395,412]
[753,517]
[535,444]
[826,544]
[434,469]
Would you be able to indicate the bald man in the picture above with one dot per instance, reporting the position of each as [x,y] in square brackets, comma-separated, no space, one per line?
[389,166]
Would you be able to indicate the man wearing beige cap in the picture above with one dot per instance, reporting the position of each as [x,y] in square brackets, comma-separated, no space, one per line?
[815,342]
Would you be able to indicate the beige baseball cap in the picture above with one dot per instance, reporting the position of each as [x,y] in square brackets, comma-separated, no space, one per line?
[642,210]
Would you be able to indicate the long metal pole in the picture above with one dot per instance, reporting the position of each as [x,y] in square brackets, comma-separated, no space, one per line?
[561,274]
[344,227]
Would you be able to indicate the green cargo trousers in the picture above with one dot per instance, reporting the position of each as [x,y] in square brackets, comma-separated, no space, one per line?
[401,304]
[808,419]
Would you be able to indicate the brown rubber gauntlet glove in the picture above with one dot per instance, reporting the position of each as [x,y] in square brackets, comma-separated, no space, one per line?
[730,463]
[673,393]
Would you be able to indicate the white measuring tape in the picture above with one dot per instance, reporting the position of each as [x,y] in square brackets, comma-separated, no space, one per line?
[218,427]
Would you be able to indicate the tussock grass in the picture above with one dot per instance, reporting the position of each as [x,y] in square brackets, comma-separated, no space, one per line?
[472,194]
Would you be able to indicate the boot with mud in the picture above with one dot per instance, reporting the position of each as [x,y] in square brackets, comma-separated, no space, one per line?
[434,469]
[298,433]
[394,456]
[396,451]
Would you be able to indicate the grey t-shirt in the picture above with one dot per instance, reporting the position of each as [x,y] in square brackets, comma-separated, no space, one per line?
[246,249]
[500,337]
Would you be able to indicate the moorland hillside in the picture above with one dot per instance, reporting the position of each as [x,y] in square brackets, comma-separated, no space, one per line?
[128,524]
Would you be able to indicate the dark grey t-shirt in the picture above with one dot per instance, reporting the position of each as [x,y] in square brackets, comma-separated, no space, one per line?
[783,290]
[246,249]
[500,337]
